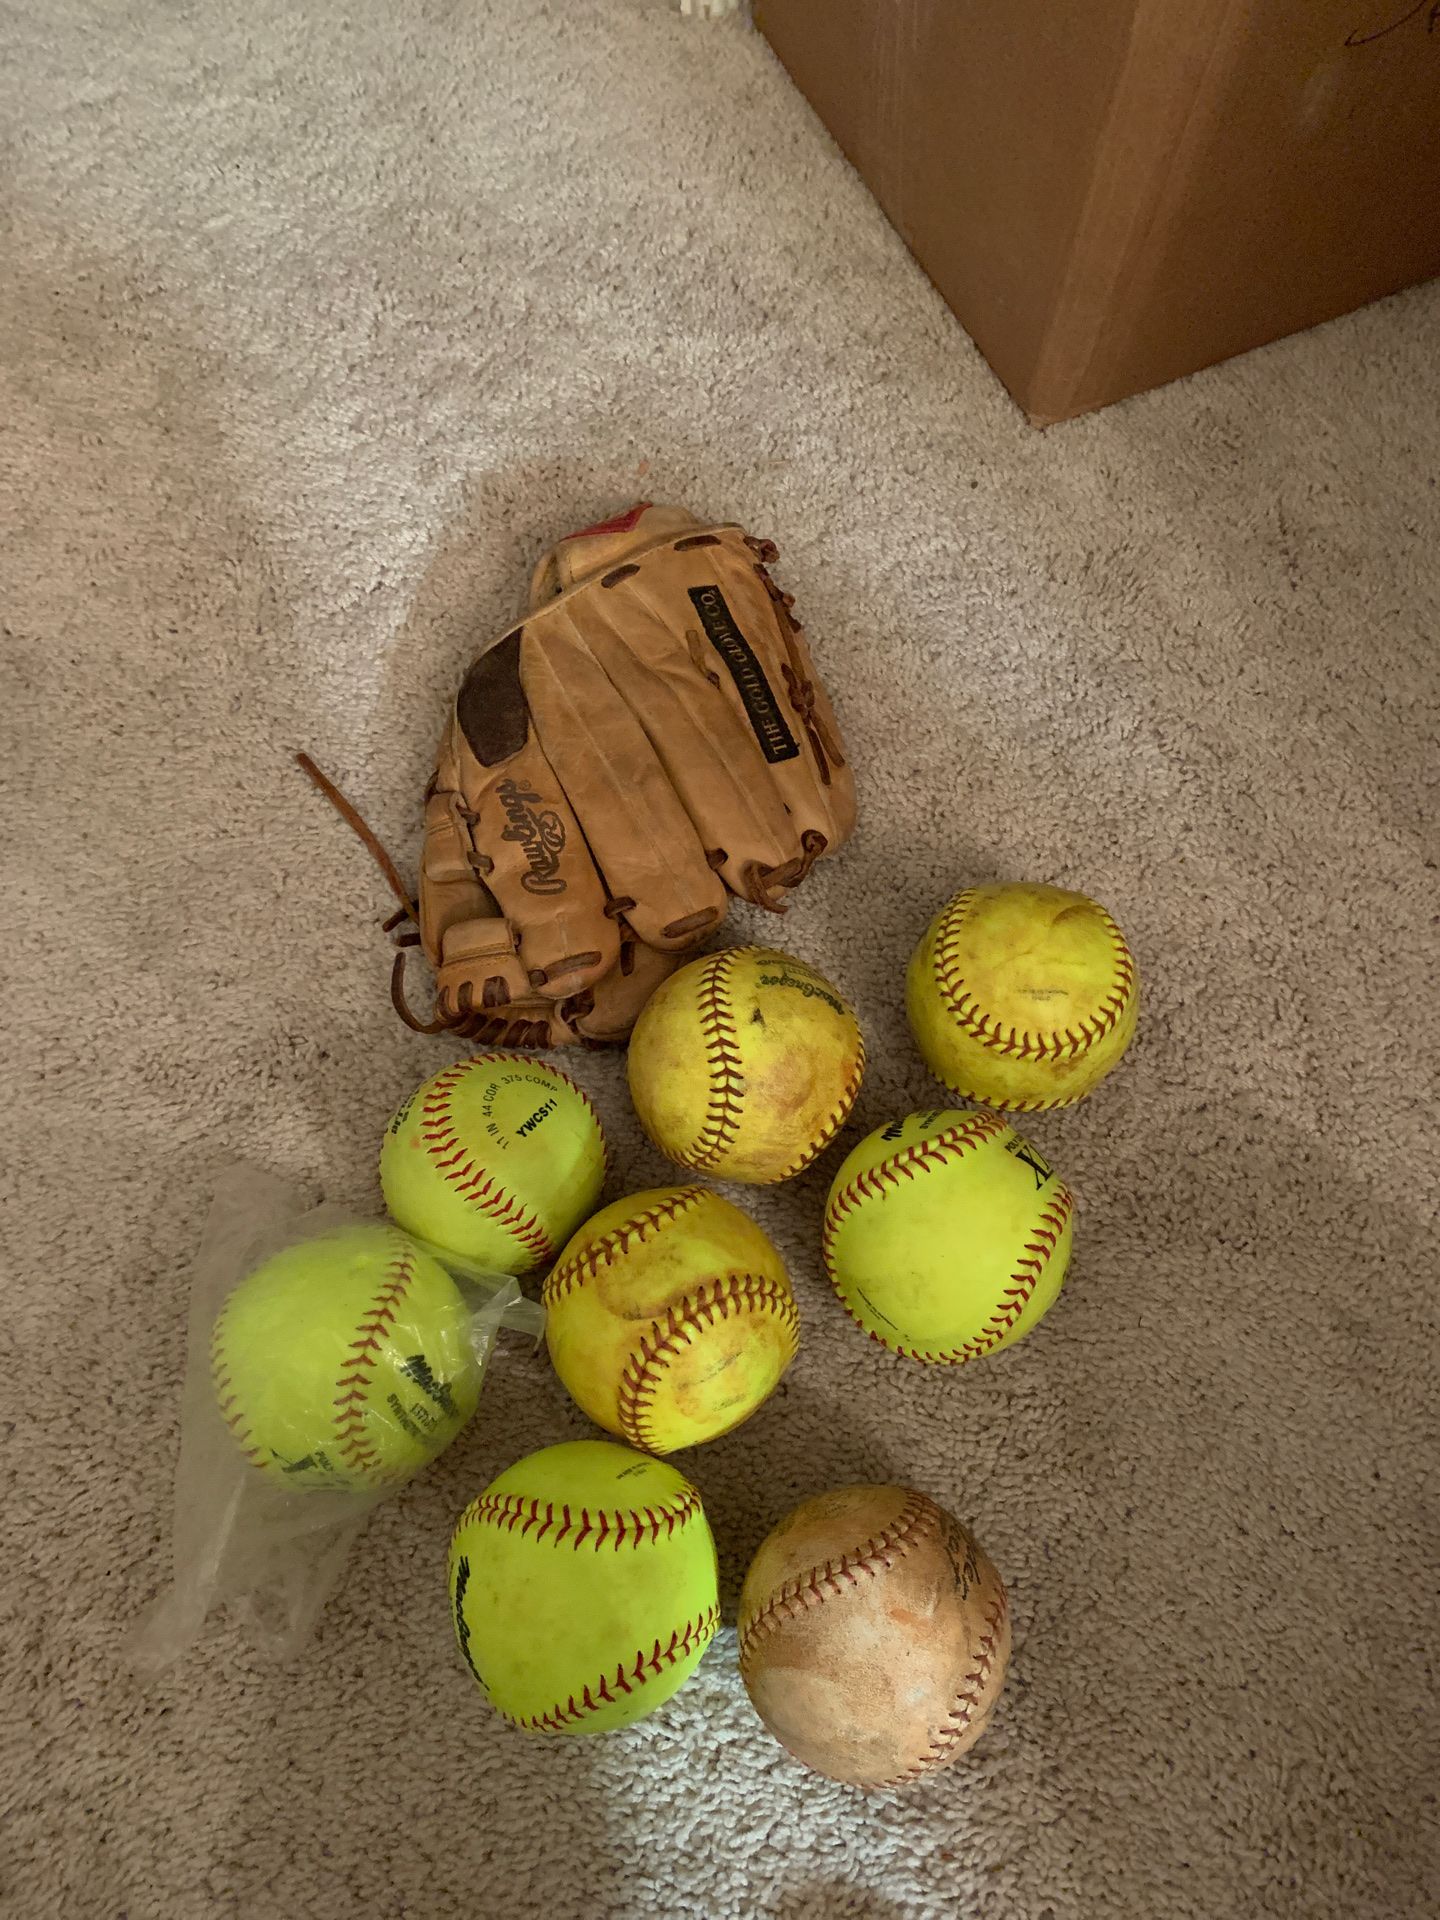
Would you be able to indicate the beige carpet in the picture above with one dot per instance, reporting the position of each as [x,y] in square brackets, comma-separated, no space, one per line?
[319,320]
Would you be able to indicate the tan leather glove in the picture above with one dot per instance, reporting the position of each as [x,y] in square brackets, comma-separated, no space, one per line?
[649,740]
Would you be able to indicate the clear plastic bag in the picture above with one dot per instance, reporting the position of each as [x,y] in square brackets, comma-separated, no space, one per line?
[329,1360]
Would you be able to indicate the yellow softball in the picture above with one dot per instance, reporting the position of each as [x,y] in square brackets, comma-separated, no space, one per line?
[745,1065]
[669,1317]
[1022,996]
[584,1587]
[345,1362]
[946,1235]
[498,1159]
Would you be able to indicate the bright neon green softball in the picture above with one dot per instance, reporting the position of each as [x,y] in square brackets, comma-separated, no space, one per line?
[947,1235]
[345,1362]
[583,1584]
[498,1158]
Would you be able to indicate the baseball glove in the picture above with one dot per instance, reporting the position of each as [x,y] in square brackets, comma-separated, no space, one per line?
[648,741]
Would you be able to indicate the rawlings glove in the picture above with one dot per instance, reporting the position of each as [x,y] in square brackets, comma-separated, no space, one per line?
[649,740]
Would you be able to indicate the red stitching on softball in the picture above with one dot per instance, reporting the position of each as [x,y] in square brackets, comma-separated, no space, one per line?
[614,1528]
[475,1186]
[228,1402]
[1014,1298]
[956,1723]
[353,1445]
[627,1676]
[1016,1044]
[610,1246]
[917,1519]
[676,1328]
[835,1121]
[953,1143]
[725,1101]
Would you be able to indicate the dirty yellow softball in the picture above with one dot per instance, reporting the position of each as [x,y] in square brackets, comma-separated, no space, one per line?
[745,1065]
[1022,996]
[670,1318]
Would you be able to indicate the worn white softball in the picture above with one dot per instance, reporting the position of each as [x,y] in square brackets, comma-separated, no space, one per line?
[745,1065]
[873,1635]
[947,1235]
[498,1159]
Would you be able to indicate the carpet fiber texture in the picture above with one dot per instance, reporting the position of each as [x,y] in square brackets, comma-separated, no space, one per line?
[319,322]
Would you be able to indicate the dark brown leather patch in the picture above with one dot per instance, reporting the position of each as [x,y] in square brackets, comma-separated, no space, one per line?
[692,923]
[491,706]
[559,968]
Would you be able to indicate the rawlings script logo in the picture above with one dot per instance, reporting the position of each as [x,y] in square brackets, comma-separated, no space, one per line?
[539,834]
